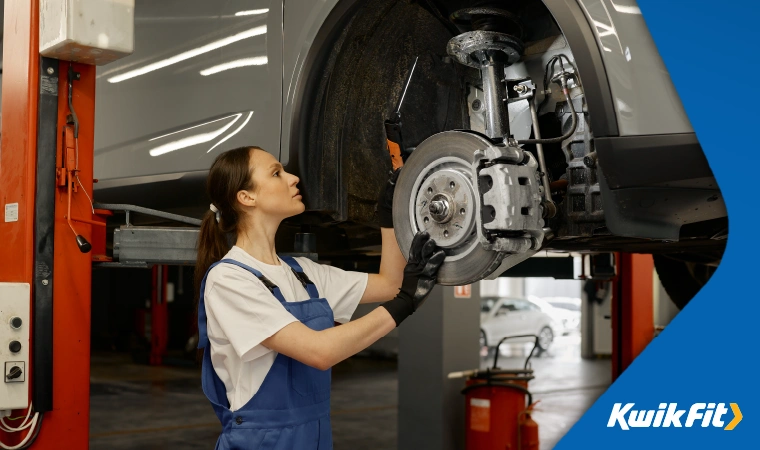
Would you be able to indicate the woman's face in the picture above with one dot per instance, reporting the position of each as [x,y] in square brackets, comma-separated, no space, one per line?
[275,190]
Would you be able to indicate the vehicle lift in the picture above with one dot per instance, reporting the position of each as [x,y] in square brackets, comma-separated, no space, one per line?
[53,234]
[632,309]
[630,277]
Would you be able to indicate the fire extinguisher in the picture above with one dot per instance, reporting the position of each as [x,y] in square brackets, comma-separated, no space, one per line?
[499,406]
[527,431]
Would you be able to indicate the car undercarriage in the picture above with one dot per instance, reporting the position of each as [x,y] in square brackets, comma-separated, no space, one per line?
[500,133]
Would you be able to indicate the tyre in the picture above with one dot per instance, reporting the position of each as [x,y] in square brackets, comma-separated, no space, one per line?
[545,339]
[681,279]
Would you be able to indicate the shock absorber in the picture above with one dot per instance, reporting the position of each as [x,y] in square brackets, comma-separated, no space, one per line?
[494,43]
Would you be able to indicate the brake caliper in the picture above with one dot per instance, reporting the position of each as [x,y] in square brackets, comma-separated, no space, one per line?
[509,196]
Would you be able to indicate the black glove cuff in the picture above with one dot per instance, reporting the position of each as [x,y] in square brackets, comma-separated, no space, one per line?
[399,308]
[384,217]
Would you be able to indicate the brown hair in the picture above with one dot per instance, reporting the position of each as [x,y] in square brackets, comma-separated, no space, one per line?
[228,175]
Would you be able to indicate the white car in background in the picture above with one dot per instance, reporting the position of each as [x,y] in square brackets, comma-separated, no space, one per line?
[504,316]
[567,310]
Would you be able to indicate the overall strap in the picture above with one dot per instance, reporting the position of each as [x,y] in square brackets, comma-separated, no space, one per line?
[307,284]
[202,320]
[267,282]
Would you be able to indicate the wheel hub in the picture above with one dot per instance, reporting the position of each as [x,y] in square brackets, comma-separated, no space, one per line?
[440,209]
[444,203]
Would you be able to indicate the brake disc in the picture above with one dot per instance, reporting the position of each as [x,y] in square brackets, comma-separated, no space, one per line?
[435,193]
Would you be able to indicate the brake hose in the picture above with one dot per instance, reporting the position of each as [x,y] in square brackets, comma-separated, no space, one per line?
[573,125]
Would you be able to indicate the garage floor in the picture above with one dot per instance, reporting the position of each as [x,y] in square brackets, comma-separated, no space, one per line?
[140,407]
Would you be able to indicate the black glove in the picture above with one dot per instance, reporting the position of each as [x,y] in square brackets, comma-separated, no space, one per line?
[385,201]
[420,273]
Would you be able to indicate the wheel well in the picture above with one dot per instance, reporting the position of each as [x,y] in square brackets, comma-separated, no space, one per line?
[355,77]
[355,71]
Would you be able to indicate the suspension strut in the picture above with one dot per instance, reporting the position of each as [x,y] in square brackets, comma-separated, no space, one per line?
[493,43]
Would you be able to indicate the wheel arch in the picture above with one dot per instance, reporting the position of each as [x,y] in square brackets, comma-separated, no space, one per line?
[327,176]
[317,61]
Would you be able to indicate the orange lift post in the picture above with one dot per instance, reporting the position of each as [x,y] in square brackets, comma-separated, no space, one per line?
[39,246]
[632,309]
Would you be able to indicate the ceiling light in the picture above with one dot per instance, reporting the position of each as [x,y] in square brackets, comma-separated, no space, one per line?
[252,12]
[245,62]
[192,140]
[189,54]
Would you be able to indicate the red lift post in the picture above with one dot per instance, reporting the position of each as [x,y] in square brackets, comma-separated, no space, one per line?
[632,309]
[159,315]
[59,368]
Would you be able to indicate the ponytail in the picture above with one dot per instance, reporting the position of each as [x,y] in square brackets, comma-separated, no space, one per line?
[212,246]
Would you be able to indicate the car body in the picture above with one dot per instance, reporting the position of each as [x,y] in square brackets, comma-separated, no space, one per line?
[312,82]
[566,310]
[501,317]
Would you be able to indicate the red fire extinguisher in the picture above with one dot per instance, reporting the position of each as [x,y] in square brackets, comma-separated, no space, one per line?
[499,406]
[527,430]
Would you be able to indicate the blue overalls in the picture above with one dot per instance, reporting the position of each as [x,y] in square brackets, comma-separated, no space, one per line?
[291,410]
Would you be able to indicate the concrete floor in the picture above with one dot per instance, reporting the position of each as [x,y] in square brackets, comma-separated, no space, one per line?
[140,407]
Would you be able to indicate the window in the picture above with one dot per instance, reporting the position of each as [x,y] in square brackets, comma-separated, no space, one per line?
[532,306]
[566,305]
[521,305]
[507,306]
[486,304]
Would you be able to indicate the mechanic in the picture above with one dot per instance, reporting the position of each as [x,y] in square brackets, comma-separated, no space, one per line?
[266,323]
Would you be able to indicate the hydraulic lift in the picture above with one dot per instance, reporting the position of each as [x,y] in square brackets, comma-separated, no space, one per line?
[632,309]
[46,167]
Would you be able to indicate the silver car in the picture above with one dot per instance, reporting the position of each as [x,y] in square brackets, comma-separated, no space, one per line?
[525,125]
[504,317]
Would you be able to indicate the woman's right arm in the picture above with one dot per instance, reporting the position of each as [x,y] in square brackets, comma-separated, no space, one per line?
[324,349]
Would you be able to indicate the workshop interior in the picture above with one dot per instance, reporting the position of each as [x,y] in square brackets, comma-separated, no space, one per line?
[541,143]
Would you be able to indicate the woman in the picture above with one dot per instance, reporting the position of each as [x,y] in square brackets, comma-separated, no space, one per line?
[266,322]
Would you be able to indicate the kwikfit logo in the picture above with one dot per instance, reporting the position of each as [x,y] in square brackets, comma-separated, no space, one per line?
[668,415]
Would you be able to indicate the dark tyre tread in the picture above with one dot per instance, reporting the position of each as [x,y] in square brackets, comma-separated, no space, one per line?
[679,280]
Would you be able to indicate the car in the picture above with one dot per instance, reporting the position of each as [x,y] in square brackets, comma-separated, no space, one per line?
[501,317]
[525,126]
[567,311]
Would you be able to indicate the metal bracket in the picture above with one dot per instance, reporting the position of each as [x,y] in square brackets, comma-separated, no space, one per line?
[148,211]
[520,89]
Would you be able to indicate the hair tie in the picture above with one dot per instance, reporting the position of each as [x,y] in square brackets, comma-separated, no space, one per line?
[216,212]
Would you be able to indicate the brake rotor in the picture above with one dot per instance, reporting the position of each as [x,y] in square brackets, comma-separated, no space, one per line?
[435,192]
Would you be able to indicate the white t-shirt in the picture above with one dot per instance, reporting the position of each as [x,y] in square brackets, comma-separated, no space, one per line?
[241,313]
